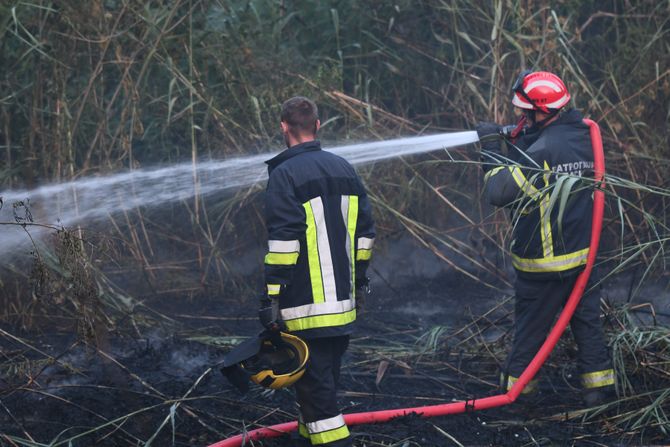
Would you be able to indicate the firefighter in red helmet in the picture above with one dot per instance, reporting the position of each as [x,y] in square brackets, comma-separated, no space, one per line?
[551,238]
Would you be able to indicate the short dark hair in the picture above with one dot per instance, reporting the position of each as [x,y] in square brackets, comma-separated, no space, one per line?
[300,114]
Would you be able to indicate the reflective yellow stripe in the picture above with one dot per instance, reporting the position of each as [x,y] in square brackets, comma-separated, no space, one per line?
[302,427]
[530,387]
[281,258]
[302,430]
[523,184]
[352,219]
[545,227]
[330,435]
[313,256]
[274,289]
[597,379]
[492,172]
[363,255]
[547,173]
[545,220]
[551,264]
[318,321]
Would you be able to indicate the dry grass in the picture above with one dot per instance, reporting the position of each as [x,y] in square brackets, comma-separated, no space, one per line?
[103,86]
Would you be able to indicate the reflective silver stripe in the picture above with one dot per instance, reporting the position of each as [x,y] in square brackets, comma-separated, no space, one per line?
[284,246]
[557,104]
[365,243]
[323,244]
[325,424]
[310,310]
[345,217]
[274,289]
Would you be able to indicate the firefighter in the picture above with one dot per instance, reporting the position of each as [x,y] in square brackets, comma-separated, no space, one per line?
[550,244]
[321,234]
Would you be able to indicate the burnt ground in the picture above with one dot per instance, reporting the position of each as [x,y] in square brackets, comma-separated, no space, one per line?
[151,382]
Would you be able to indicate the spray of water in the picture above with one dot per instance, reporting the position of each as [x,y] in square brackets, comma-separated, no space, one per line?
[92,198]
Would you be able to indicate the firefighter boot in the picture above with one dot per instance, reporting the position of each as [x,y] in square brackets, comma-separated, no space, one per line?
[595,397]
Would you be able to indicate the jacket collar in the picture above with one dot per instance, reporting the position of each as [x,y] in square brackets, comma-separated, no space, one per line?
[309,146]
[568,117]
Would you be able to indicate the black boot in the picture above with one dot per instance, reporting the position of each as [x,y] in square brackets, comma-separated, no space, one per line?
[594,397]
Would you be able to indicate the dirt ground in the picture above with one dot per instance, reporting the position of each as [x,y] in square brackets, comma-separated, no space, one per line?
[154,382]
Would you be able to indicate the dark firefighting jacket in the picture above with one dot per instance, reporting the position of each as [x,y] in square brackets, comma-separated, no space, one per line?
[321,233]
[550,201]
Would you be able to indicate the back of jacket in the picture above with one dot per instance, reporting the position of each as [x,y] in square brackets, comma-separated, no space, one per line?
[551,205]
[320,233]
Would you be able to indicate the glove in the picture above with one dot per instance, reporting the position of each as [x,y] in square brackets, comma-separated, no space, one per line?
[490,138]
[361,293]
[269,315]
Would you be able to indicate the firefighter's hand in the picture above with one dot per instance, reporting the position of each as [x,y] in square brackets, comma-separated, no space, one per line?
[269,316]
[360,295]
[490,138]
[489,134]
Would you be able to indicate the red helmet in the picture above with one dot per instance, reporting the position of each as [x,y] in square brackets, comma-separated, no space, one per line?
[539,90]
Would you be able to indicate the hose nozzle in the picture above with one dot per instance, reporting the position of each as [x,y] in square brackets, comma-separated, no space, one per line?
[507,131]
[513,131]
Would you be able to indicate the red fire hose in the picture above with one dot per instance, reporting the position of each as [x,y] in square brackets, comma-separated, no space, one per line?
[531,369]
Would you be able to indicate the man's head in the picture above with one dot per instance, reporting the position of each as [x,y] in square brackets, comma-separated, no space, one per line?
[299,120]
[541,95]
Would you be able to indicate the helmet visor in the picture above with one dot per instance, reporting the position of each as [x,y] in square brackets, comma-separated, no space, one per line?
[517,87]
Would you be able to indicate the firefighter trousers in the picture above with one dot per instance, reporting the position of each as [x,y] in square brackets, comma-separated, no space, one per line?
[537,304]
[320,421]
